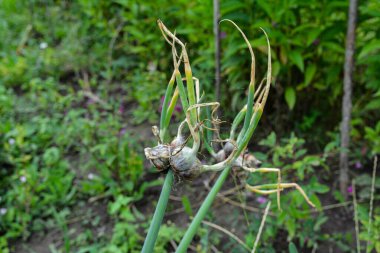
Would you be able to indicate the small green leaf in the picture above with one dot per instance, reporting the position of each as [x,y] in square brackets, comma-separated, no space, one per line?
[269,141]
[315,200]
[292,248]
[322,188]
[51,155]
[266,7]
[368,48]
[296,58]
[291,226]
[338,196]
[320,221]
[312,35]
[276,68]
[334,47]
[290,97]
[309,74]
[249,239]
[186,204]
[373,105]
[300,153]
[312,160]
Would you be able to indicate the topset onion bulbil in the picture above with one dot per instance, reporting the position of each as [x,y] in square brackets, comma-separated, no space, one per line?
[176,156]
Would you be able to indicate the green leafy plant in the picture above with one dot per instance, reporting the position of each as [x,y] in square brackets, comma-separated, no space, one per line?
[54,156]
[368,215]
[181,160]
[300,226]
[77,76]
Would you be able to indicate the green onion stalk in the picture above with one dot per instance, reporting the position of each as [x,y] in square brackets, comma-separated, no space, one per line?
[252,113]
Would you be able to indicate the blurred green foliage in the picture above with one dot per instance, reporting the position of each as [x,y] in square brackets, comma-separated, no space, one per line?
[75,75]
[302,226]
[308,42]
[117,42]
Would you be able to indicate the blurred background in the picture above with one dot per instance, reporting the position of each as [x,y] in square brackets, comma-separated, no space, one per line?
[81,84]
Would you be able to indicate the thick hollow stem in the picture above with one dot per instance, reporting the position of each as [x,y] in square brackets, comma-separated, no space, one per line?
[155,224]
[188,237]
[246,135]
[188,73]
[182,91]
[171,107]
[251,88]
[237,121]
[164,111]
[167,109]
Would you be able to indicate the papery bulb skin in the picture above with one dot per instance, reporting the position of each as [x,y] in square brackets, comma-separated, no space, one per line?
[228,148]
[247,160]
[159,156]
[185,163]
[220,156]
[223,154]
[251,161]
[178,142]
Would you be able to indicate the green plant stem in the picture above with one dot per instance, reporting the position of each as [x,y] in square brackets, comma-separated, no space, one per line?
[155,224]
[168,95]
[192,229]
[169,112]
[237,121]
[251,89]
[188,237]
[182,91]
[190,89]
[242,144]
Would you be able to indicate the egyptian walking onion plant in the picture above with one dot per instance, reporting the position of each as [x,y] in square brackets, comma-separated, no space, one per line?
[178,158]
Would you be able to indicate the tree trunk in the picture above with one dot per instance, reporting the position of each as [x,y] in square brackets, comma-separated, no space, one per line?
[217,49]
[347,101]
[216,145]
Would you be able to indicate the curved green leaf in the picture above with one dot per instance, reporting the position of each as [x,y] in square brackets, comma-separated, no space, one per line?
[290,97]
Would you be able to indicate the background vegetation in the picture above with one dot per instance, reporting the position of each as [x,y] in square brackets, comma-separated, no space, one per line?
[80,84]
